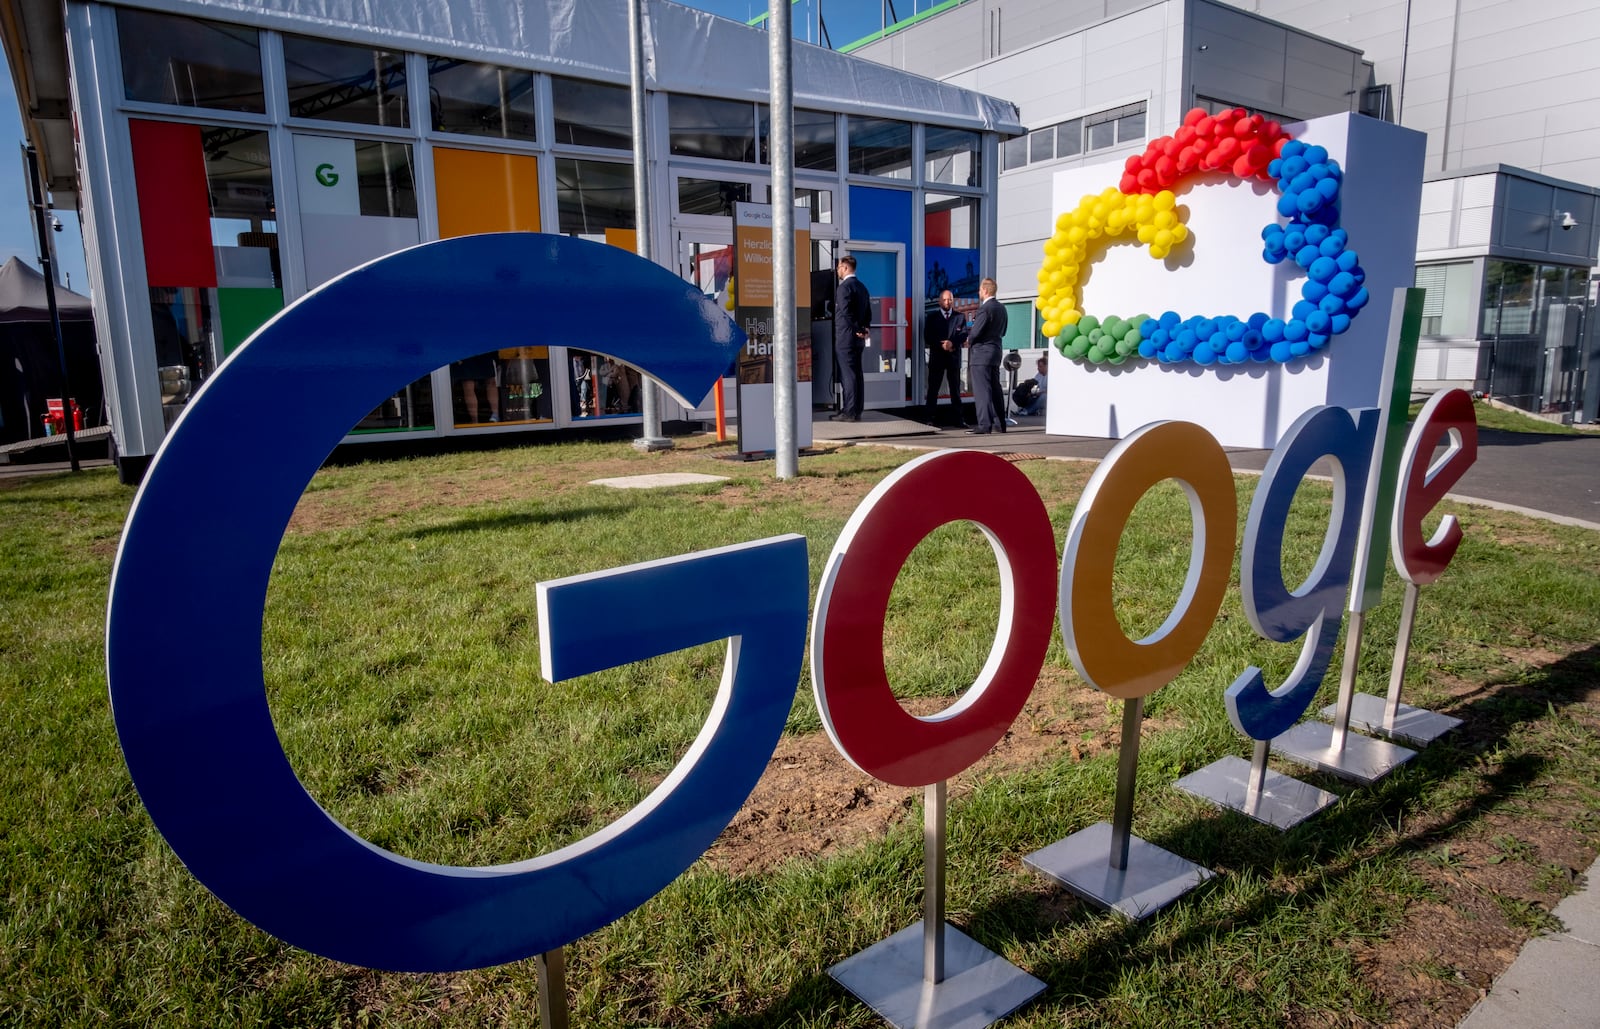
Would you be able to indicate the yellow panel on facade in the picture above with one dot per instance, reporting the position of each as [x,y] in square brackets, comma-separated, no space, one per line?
[483,192]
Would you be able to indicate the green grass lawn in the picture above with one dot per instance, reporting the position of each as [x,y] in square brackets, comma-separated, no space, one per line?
[401,655]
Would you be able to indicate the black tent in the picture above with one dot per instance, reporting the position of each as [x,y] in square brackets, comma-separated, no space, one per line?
[30,370]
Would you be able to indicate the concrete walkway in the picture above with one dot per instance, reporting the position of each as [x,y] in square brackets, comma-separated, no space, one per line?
[1556,478]
[1555,981]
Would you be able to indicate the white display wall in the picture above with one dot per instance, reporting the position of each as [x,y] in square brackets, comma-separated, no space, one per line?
[1221,271]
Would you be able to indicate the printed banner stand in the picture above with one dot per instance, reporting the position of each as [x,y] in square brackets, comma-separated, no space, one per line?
[1331,747]
[931,973]
[1447,418]
[1106,864]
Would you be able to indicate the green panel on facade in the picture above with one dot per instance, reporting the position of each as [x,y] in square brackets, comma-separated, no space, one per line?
[1020,328]
[244,311]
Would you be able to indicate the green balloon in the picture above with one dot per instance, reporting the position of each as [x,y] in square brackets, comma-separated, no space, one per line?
[1088,323]
[1068,333]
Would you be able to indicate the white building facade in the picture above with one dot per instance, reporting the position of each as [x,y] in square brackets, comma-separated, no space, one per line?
[1504,89]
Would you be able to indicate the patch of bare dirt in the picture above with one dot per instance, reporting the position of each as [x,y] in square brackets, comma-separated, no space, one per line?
[812,802]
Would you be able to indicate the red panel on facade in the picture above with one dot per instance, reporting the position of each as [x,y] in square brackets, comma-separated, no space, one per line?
[169,171]
[936,229]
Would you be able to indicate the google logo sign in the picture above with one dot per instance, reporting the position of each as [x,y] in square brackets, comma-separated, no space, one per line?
[1143,207]
[199,740]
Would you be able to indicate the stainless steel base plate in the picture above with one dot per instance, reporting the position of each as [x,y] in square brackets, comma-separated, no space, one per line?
[1411,724]
[1153,879]
[1282,802]
[1361,759]
[980,987]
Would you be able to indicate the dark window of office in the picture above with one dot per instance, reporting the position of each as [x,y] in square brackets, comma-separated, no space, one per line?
[1115,127]
[1014,153]
[189,62]
[592,114]
[593,196]
[1041,144]
[480,99]
[954,156]
[816,139]
[335,82]
[879,146]
[706,127]
[1069,138]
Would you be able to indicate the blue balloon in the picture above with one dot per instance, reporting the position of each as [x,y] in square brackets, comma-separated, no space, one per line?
[1313,291]
[1302,308]
[1237,353]
[1272,330]
[1294,330]
[1280,352]
[1323,269]
[1316,154]
[1358,299]
[1338,323]
[1317,322]
[1299,348]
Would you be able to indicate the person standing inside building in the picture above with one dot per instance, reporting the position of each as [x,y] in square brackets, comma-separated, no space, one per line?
[983,361]
[944,332]
[852,317]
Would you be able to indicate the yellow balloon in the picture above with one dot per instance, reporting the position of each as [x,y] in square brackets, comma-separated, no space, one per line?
[1147,234]
[1052,329]
[1164,200]
[1077,235]
[1158,252]
[1164,239]
[1071,317]
[1180,232]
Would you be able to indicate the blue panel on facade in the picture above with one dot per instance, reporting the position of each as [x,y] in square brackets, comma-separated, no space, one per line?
[882,215]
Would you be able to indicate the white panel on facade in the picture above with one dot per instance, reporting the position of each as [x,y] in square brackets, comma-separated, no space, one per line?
[1475,227]
[1433,232]
[1477,191]
[1438,195]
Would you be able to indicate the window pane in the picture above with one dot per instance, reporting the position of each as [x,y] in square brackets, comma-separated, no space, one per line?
[1014,153]
[1041,144]
[1102,135]
[1130,127]
[818,201]
[1069,138]
[954,156]
[510,384]
[480,99]
[593,196]
[600,386]
[879,146]
[1448,299]
[710,196]
[703,127]
[950,227]
[334,82]
[172,60]
[592,114]
[815,138]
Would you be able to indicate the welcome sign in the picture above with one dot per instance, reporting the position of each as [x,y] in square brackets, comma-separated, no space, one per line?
[199,739]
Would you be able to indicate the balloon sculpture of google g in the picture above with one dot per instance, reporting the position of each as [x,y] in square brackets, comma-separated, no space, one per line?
[1143,206]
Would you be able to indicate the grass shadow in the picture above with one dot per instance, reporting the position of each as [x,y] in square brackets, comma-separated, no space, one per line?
[1297,869]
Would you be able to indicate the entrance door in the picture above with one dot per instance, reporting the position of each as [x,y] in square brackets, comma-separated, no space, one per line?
[705,258]
[886,365]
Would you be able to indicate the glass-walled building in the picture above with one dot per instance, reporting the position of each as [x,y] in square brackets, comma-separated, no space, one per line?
[232,155]
[1504,256]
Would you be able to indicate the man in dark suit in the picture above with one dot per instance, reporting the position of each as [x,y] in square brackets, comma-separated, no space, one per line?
[983,361]
[852,318]
[944,332]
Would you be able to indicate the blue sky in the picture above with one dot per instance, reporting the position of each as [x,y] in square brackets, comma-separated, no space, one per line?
[847,20]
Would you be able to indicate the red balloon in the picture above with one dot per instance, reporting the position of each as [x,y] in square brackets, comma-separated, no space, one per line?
[1193,117]
[1133,163]
[1243,168]
[1184,136]
[1188,160]
[1225,151]
[1147,179]
[1166,169]
[1205,126]
[1259,156]
[1129,184]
